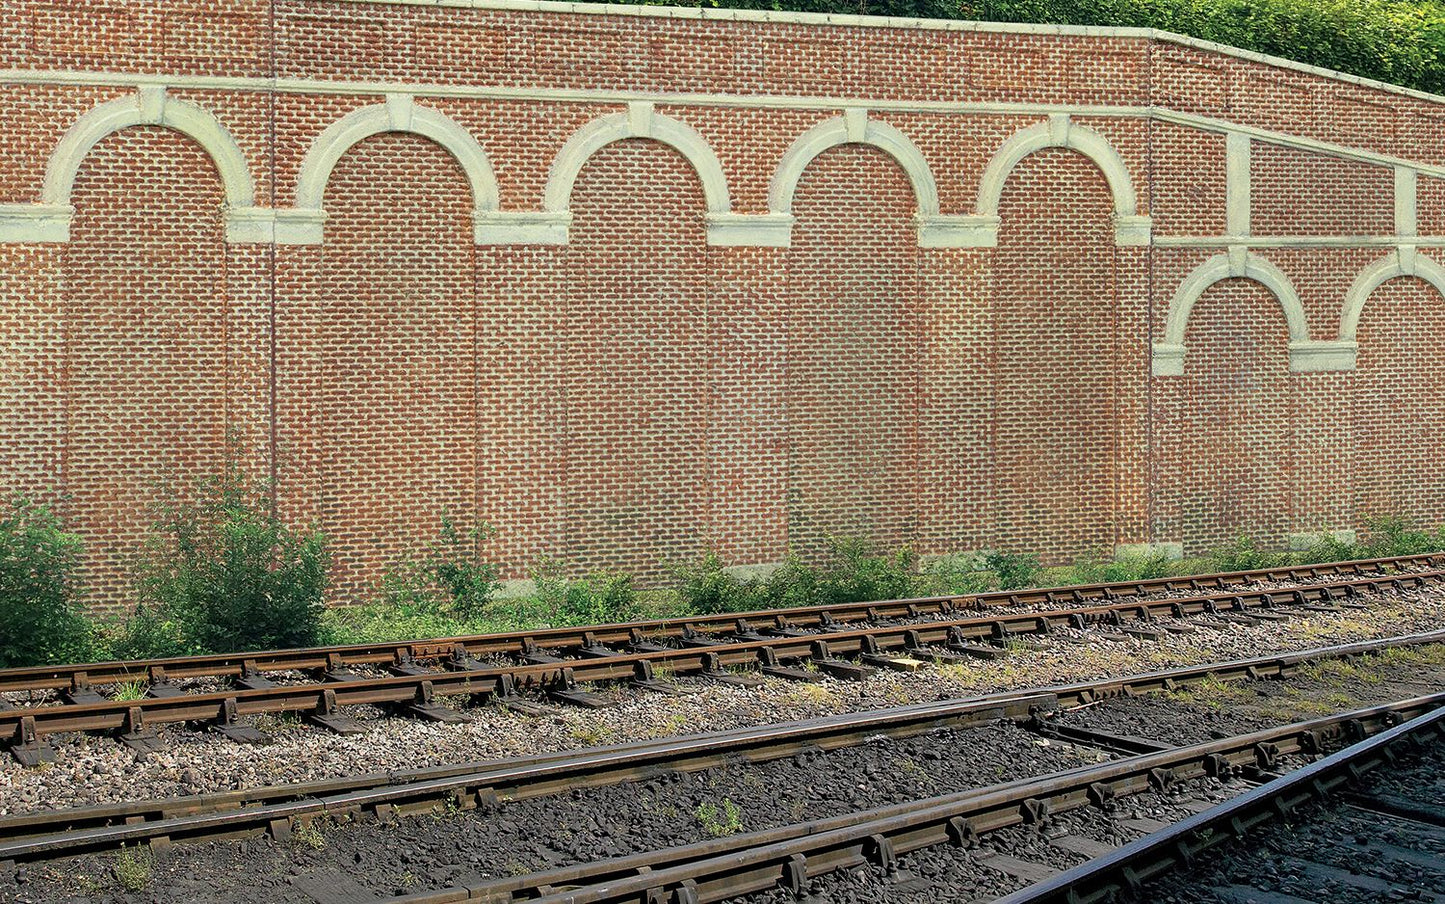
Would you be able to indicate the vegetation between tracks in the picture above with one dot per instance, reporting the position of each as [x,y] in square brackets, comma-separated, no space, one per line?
[222,573]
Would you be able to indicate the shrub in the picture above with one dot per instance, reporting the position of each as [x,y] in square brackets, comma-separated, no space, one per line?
[857,572]
[1395,536]
[1129,567]
[707,587]
[39,620]
[599,598]
[1244,554]
[1015,571]
[452,577]
[227,575]
[958,575]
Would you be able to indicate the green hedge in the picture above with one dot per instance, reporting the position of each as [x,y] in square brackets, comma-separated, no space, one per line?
[1397,41]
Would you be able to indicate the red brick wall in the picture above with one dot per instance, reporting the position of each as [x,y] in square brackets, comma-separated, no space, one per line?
[630,397]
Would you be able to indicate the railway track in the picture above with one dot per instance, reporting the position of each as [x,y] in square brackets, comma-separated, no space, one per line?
[274,811]
[1334,785]
[77,683]
[790,856]
[413,689]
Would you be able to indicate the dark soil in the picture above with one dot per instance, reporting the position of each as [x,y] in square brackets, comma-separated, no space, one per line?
[1202,713]
[1330,853]
[422,853]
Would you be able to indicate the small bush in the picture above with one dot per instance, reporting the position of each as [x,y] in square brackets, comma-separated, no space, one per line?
[599,598]
[719,822]
[452,577]
[1130,567]
[228,575]
[958,575]
[39,620]
[707,587]
[133,867]
[1395,536]
[1244,554]
[857,572]
[1015,571]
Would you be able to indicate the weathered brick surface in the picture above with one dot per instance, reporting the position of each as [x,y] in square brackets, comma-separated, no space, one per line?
[637,394]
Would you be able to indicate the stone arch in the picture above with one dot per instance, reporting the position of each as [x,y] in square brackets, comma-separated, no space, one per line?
[640,121]
[1237,263]
[49,220]
[1400,262]
[853,127]
[1059,131]
[303,225]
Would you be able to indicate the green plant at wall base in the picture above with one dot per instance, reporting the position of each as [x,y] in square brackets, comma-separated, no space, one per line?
[1244,554]
[1014,570]
[856,571]
[598,598]
[226,574]
[451,577]
[39,619]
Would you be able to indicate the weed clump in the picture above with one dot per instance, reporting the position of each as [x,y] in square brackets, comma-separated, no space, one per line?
[599,598]
[222,573]
[39,619]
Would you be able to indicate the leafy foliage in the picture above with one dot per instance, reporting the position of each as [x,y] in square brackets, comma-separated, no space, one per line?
[452,577]
[222,573]
[1015,571]
[1397,41]
[39,620]
[599,598]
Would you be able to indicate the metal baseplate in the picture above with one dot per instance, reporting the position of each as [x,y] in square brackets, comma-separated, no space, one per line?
[228,726]
[565,691]
[251,678]
[506,695]
[646,679]
[328,716]
[426,707]
[27,748]
[80,692]
[769,665]
[137,736]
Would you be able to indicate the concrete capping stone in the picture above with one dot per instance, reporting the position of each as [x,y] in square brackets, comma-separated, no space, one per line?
[520,227]
[299,226]
[515,589]
[1302,541]
[1171,550]
[1132,231]
[1167,360]
[35,223]
[760,230]
[957,231]
[1322,356]
[898,22]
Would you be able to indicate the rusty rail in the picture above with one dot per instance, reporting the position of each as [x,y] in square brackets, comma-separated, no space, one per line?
[458,650]
[1122,874]
[791,855]
[417,691]
[50,834]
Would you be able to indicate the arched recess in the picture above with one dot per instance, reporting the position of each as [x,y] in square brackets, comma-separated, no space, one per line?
[642,121]
[49,220]
[1305,355]
[855,127]
[1059,131]
[303,225]
[1400,262]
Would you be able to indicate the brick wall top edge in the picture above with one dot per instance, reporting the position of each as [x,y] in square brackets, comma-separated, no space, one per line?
[856,21]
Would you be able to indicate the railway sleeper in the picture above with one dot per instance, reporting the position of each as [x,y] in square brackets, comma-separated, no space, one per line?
[228,725]
[425,706]
[564,690]
[328,715]
[26,746]
[136,735]
[646,679]
[770,665]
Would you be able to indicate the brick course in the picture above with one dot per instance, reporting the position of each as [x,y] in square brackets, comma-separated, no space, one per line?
[667,378]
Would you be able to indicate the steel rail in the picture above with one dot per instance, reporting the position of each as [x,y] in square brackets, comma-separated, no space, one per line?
[26,727]
[53,833]
[457,649]
[789,856]
[1121,874]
